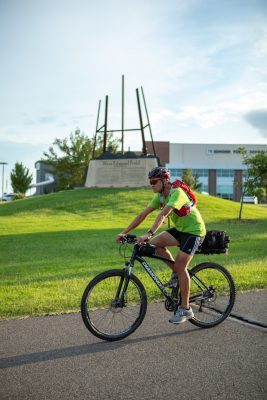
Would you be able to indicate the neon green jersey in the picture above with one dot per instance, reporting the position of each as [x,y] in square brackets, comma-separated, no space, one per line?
[177,198]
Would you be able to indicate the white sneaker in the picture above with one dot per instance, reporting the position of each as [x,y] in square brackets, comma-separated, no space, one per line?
[181,315]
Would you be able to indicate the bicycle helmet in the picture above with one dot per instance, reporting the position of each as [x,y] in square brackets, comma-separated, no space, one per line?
[159,172]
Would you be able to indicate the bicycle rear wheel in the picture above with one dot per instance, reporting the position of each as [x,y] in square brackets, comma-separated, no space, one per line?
[212,294]
[105,313]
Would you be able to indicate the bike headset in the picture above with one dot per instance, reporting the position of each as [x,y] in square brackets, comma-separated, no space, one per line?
[161,173]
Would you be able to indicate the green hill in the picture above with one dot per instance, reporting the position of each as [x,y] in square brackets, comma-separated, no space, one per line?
[51,246]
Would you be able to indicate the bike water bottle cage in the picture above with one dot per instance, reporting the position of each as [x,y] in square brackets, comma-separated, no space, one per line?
[190,194]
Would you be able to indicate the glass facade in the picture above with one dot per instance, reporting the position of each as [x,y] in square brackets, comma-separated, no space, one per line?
[224,173]
[225,191]
[204,188]
[176,172]
[225,183]
[224,180]
[201,172]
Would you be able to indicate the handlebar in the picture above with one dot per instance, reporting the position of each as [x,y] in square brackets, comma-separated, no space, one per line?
[129,239]
[145,249]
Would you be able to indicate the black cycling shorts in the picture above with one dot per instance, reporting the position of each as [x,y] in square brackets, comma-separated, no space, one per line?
[189,243]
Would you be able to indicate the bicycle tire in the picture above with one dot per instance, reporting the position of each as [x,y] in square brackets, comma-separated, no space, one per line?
[211,307]
[96,307]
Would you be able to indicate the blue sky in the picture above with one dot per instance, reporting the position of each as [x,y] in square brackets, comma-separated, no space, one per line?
[202,64]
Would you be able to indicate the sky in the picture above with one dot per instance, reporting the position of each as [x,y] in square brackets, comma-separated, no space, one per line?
[202,65]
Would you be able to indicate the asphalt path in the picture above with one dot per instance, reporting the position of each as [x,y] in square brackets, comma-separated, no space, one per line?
[57,358]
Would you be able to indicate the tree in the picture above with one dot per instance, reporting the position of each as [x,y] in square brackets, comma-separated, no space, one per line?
[75,154]
[20,178]
[190,179]
[197,184]
[256,176]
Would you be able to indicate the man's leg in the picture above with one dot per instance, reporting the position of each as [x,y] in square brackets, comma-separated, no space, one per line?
[184,311]
[182,261]
[161,241]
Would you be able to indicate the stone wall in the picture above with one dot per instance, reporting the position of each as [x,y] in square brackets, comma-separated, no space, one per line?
[120,172]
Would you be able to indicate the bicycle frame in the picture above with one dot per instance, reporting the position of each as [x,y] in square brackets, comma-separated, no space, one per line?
[150,272]
[130,265]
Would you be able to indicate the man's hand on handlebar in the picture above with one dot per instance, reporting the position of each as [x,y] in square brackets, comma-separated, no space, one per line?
[143,239]
[126,238]
[120,237]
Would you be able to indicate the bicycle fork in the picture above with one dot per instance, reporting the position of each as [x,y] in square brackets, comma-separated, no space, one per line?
[119,300]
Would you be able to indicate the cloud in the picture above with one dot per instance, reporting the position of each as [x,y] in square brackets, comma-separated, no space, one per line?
[258,119]
[210,115]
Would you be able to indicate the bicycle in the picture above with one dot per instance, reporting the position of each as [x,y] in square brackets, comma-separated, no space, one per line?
[114,303]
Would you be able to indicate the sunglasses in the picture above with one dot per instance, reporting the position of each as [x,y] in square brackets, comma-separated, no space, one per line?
[154,181]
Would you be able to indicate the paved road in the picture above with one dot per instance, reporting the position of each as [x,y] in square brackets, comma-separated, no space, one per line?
[57,358]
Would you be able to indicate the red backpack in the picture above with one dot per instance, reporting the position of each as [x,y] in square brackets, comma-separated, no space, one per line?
[185,209]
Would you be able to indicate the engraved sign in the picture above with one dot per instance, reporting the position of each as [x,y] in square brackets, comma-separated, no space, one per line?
[131,172]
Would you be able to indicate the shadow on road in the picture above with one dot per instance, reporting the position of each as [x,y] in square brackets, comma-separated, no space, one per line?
[75,351]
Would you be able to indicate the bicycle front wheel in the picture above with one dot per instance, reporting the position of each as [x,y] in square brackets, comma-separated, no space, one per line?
[106,312]
[212,294]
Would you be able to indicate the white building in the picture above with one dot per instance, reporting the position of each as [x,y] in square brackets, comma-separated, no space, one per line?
[219,167]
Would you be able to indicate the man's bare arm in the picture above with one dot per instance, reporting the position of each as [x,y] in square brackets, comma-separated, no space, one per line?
[161,218]
[158,222]
[137,221]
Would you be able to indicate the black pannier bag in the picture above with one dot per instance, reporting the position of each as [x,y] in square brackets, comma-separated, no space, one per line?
[215,242]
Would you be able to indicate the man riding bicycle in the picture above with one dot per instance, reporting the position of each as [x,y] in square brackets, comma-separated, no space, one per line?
[188,233]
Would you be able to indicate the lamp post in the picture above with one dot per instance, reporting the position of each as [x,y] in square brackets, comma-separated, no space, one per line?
[3,173]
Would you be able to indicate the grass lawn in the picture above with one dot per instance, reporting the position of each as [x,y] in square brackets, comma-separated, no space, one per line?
[51,246]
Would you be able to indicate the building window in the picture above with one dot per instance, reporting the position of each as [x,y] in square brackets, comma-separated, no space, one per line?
[204,188]
[225,173]
[225,192]
[176,173]
[200,172]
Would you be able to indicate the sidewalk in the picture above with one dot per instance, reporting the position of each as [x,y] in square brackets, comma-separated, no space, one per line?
[56,358]
[252,305]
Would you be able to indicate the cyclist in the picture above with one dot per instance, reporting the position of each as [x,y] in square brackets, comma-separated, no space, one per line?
[188,233]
